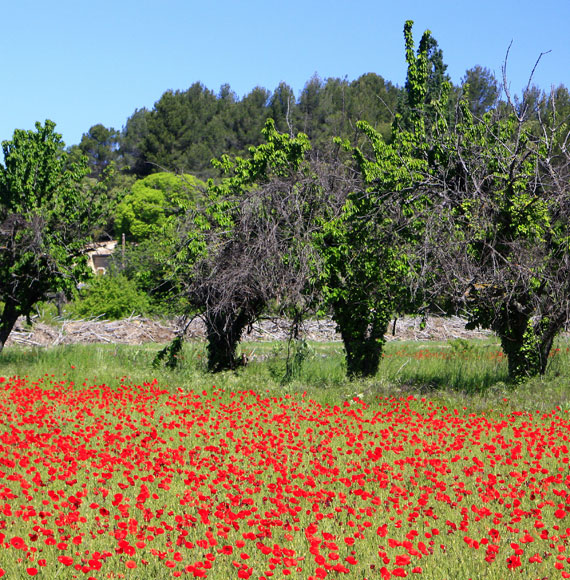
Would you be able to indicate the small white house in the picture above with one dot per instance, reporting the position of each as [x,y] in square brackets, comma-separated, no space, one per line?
[99,255]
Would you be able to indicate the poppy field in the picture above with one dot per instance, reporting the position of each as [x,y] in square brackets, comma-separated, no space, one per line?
[139,481]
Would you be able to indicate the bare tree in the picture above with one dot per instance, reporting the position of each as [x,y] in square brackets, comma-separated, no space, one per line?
[497,234]
[250,247]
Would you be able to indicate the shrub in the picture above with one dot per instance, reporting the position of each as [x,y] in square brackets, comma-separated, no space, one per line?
[111,296]
[146,265]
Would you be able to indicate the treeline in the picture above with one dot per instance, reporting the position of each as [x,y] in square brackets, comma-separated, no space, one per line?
[186,129]
[359,200]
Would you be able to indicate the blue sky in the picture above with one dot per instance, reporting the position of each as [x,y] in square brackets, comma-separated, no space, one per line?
[81,63]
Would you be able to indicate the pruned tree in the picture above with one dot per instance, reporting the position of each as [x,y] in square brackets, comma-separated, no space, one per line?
[365,250]
[364,253]
[250,244]
[45,220]
[498,241]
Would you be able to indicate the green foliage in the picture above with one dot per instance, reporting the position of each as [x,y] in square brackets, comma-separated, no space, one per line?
[101,147]
[481,90]
[493,168]
[364,249]
[185,130]
[361,282]
[427,84]
[374,100]
[110,296]
[109,190]
[280,155]
[146,209]
[146,264]
[140,214]
[45,220]
[182,133]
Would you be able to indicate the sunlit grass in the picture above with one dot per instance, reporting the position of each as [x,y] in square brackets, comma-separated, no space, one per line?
[457,372]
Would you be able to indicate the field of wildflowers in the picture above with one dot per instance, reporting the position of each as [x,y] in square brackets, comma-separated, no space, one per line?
[139,481]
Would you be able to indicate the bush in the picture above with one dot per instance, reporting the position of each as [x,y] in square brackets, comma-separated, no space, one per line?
[144,211]
[146,265]
[111,296]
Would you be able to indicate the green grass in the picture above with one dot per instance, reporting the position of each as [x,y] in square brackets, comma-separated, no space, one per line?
[460,373]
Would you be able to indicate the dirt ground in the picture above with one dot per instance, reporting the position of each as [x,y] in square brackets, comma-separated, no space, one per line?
[137,330]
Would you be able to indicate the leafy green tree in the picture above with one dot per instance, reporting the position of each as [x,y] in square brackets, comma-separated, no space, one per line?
[149,216]
[372,99]
[559,104]
[331,117]
[249,118]
[186,129]
[101,147]
[133,143]
[282,105]
[179,134]
[365,248]
[361,281]
[144,211]
[482,90]
[556,114]
[325,111]
[530,104]
[109,190]
[438,79]
[310,105]
[221,125]
[45,220]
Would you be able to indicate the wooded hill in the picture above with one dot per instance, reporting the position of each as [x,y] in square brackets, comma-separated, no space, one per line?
[186,129]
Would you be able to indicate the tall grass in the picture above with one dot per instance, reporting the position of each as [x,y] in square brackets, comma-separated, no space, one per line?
[470,373]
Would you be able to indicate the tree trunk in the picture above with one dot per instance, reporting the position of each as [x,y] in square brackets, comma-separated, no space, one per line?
[548,329]
[7,321]
[522,345]
[223,333]
[544,349]
[527,345]
[362,334]
[523,360]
